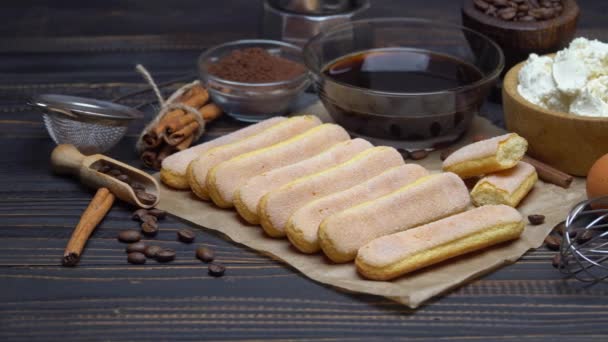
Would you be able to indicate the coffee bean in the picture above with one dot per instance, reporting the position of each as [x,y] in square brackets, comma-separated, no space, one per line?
[114,173]
[137,186]
[479,137]
[445,153]
[527,18]
[216,270]
[482,5]
[536,219]
[139,247]
[136,258]
[149,228]
[129,236]
[560,228]
[104,168]
[186,235]
[205,254]
[138,214]
[165,255]
[145,197]
[585,236]
[159,214]
[152,251]
[500,3]
[123,178]
[419,154]
[507,13]
[553,242]
[557,260]
[405,154]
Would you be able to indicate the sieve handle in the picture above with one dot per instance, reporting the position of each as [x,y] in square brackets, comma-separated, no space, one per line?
[66,159]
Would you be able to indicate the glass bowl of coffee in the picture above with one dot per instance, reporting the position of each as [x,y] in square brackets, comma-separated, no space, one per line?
[252,80]
[408,82]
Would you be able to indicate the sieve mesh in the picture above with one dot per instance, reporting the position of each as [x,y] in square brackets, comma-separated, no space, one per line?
[89,136]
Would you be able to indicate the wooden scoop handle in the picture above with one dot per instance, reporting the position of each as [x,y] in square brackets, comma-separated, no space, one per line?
[66,159]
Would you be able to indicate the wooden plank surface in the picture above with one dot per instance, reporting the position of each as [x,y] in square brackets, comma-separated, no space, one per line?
[104,298]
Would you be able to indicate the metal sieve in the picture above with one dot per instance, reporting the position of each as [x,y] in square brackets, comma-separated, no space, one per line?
[93,126]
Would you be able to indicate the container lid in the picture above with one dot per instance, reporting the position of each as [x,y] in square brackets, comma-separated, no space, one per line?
[75,107]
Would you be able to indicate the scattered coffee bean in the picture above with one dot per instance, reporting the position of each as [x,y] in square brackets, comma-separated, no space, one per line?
[136,258]
[129,236]
[205,254]
[165,255]
[139,247]
[520,10]
[536,219]
[404,153]
[152,251]
[557,260]
[553,242]
[560,228]
[138,214]
[445,153]
[149,228]
[216,270]
[479,137]
[159,214]
[419,154]
[145,197]
[585,236]
[123,178]
[186,235]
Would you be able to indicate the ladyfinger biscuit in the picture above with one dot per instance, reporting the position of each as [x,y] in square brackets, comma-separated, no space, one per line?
[426,200]
[174,167]
[198,168]
[505,187]
[303,225]
[247,197]
[394,255]
[487,156]
[276,207]
[225,178]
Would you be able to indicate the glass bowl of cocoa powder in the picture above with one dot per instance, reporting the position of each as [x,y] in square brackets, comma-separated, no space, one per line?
[252,80]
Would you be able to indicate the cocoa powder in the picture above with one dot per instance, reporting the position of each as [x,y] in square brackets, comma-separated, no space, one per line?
[255,65]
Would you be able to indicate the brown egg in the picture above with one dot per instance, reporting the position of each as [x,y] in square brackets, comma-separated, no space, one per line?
[597,178]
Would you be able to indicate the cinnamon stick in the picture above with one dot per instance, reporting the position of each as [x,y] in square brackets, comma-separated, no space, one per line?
[148,158]
[93,214]
[210,112]
[179,136]
[549,174]
[164,152]
[179,123]
[185,143]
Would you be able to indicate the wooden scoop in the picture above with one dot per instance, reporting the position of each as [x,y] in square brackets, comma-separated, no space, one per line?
[66,159]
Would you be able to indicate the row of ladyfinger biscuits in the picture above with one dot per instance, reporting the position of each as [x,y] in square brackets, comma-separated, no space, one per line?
[310,182]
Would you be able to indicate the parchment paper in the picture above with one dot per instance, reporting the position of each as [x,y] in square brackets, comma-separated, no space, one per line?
[546,199]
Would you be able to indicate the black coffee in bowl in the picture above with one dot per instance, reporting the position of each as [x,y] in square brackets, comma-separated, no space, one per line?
[416,96]
[403,71]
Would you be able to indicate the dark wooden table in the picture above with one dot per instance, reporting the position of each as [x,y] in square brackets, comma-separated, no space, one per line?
[89,48]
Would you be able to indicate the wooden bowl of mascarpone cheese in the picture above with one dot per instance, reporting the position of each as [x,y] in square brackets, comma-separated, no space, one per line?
[569,142]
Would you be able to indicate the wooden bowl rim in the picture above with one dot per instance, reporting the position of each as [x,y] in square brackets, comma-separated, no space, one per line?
[570,12]
[510,83]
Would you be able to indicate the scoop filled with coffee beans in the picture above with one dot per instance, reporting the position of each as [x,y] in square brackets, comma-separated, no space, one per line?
[521,10]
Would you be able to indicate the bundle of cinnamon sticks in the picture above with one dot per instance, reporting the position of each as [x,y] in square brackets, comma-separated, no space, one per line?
[177,129]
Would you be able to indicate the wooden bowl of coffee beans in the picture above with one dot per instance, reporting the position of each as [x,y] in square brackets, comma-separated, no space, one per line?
[522,27]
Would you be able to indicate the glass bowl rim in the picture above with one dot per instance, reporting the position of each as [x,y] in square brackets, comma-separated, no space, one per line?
[236,44]
[342,27]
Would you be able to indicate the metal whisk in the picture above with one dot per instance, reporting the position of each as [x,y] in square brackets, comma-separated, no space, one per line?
[584,248]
